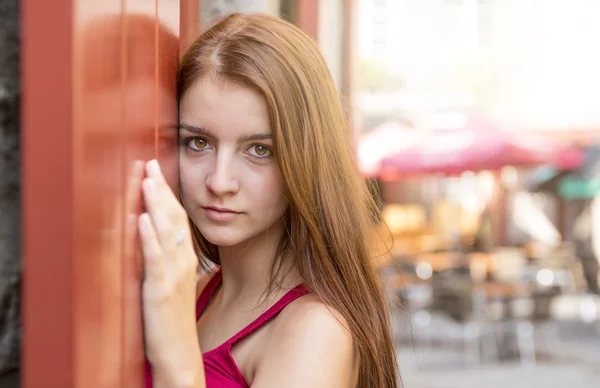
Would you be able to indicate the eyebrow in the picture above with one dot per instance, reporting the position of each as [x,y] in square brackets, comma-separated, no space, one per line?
[206,133]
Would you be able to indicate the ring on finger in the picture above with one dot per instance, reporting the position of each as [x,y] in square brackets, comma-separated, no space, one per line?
[179,237]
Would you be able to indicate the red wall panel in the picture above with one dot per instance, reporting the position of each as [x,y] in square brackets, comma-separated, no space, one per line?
[99,97]
[47,195]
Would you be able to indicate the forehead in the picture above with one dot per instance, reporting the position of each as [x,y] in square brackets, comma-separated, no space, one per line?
[224,108]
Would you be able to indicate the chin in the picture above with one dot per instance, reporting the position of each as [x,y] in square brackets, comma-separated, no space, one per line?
[222,238]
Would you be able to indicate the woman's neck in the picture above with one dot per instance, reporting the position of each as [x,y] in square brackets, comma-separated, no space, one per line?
[246,267]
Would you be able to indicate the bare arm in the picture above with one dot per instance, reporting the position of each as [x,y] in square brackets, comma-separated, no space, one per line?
[188,374]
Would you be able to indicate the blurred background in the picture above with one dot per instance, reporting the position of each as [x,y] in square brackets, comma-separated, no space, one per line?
[476,124]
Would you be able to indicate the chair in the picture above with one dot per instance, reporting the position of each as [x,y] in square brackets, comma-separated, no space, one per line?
[532,315]
[455,295]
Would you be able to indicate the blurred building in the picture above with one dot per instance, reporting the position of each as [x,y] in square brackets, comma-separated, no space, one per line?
[528,64]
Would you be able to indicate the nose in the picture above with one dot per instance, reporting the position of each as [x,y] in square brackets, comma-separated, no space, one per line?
[221,180]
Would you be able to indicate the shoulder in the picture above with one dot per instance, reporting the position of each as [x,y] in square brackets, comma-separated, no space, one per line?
[309,315]
[309,344]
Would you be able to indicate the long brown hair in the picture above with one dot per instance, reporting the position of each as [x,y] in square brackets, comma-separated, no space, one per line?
[330,210]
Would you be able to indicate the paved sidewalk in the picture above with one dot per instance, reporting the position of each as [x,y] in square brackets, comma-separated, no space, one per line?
[574,363]
[436,368]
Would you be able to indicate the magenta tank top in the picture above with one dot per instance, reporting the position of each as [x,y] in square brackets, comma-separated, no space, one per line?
[220,368]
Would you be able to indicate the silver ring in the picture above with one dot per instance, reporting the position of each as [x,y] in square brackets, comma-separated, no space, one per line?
[179,237]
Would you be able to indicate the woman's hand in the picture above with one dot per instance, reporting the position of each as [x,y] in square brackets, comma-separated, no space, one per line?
[169,285]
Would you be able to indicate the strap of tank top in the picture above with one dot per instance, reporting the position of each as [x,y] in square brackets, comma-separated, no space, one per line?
[207,293]
[289,297]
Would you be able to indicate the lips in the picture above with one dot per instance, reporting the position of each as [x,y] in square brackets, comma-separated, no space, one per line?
[218,214]
[221,209]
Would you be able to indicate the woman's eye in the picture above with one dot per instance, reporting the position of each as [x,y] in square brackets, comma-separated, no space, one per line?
[197,143]
[260,151]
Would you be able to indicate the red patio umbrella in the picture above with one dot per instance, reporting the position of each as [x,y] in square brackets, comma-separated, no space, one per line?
[383,140]
[477,146]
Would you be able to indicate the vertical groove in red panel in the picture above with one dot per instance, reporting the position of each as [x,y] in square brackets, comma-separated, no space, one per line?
[124,175]
[156,78]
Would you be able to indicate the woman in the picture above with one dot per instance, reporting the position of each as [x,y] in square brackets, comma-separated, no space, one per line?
[276,204]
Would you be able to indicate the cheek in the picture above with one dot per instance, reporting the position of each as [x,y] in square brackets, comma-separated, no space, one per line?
[191,178]
[267,190]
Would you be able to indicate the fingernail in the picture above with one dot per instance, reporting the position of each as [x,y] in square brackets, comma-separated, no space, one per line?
[149,185]
[153,167]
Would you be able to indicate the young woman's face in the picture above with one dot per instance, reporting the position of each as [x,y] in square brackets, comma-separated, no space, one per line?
[231,185]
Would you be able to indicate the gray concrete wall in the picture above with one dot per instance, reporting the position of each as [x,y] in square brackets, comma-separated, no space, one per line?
[9,189]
